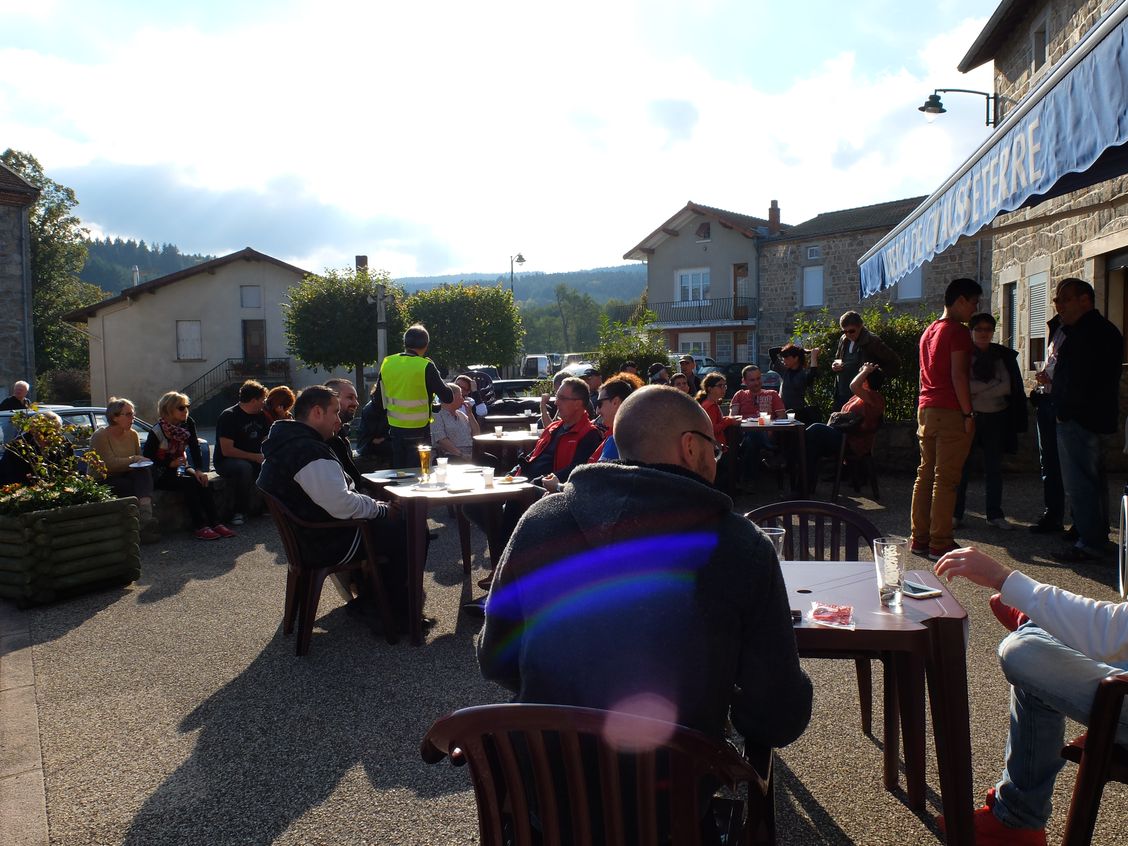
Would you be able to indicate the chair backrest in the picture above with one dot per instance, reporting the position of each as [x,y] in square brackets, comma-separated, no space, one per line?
[285,520]
[552,773]
[818,531]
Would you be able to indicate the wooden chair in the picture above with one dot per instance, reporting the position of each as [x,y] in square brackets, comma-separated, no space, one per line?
[862,470]
[304,579]
[822,531]
[552,774]
[1100,758]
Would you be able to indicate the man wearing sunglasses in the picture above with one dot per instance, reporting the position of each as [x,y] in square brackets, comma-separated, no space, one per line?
[637,589]
[857,346]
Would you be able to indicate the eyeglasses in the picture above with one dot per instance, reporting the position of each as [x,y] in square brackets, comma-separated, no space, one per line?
[600,400]
[718,449]
[182,408]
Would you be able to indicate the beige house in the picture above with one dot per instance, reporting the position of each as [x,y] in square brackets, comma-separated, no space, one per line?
[202,330]
[17,350]
[729,285]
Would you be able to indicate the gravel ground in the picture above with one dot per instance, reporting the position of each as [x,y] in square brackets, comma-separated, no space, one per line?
[175,712]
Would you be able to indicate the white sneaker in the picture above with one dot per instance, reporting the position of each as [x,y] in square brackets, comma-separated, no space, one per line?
[1000,523]
[237,520]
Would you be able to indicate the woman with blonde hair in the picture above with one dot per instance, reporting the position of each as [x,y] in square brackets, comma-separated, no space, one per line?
[119,447]
[170,443]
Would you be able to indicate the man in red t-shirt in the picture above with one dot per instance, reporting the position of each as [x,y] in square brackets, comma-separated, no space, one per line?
[945,420]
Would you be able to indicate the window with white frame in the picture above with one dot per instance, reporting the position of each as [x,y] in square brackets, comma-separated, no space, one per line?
[189,340]
[814,253]
[812,294]
[1036,297]
[250,296]
[693,285]
[910,287]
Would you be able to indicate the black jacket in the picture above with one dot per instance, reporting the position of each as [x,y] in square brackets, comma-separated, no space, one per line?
[1086,386]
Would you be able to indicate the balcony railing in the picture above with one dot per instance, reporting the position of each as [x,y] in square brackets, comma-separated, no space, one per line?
[727,309]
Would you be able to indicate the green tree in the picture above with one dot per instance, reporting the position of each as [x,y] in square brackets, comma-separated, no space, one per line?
[899,330]
[58,252]
[630,341]
[330,319]
[579,319]
[469,324]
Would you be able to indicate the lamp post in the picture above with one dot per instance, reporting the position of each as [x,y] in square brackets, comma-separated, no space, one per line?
[932,106]
[520,259]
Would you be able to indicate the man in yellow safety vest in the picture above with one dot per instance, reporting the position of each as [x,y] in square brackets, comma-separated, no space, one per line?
[409,379]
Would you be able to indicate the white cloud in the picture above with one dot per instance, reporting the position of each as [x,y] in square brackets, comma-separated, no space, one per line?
[510,127]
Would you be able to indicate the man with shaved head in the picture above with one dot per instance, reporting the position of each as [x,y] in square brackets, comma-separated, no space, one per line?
[637,589]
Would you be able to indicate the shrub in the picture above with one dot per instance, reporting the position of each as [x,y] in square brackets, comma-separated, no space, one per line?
[63,386]
[899,330]
[631,341]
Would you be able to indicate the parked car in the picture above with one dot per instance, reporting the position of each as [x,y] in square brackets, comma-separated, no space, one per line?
[540,365]
[489,369]
[93,417]
[702,364]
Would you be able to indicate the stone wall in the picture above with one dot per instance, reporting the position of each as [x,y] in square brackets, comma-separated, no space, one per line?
[15,337]
[781,272]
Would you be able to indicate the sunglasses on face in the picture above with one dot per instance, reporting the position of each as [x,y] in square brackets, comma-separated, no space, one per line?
[182,408]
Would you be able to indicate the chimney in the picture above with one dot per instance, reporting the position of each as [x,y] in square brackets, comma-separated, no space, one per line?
[773,219]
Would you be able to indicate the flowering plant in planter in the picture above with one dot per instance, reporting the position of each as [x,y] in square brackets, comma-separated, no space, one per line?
[56,475]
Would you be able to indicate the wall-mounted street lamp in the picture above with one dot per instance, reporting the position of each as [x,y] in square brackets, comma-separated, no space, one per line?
[520,259]
[933,107]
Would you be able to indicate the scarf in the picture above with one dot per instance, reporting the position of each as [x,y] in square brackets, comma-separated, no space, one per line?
[173,438]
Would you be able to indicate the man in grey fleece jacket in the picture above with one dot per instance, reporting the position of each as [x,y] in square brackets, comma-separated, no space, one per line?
[637,589]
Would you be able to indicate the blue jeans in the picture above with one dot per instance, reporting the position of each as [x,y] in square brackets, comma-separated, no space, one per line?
[752,448]
[1083,473]
[989,429]
[1053,491]
[1049,682]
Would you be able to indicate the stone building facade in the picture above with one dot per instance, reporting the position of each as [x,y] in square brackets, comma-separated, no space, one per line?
[16,340]
[1082,234]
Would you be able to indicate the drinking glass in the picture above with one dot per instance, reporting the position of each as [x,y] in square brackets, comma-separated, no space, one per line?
[1039,366]
[497,431]
[775,535]
[791,416]
[425,460]
[488,477]
[532,428]
[889,556]
[765,418]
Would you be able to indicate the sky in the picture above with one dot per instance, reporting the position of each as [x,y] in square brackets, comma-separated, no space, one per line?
[445,137]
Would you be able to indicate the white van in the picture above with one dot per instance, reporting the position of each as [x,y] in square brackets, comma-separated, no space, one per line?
[537,366]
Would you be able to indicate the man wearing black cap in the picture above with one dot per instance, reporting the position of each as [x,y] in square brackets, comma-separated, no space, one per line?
[689,368]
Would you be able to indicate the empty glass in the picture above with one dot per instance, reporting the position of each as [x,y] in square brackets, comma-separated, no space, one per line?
[889,556]
[775,535]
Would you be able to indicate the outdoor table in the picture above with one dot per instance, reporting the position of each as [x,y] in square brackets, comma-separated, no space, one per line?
[470,489]
[933,630]
[505,448]
[509,421]
[794,430]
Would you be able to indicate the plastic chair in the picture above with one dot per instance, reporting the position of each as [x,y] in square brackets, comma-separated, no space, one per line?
[823,531]
[304,579]
[862,470]
[552,774]
[1100,760]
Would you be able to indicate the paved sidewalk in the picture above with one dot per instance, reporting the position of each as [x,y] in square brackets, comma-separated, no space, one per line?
[174,712]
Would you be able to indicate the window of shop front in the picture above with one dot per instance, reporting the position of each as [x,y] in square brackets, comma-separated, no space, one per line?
[1036,296]
[812,293]
[693,285]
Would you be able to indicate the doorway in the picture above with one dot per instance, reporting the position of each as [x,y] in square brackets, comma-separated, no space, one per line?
[254,340]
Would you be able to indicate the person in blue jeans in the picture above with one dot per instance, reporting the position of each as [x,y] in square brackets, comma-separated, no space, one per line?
[1061,646]
[999,402]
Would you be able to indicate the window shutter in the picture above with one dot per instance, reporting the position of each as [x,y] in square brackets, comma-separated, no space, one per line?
[1036,287]
[189,342]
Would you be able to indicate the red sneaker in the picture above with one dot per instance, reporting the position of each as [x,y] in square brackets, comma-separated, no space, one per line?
[919,548]
[206,534]
[1011,618]
[990,832]
[223,531]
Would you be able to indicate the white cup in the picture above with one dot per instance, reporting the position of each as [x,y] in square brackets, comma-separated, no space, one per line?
[889,556]
[441,462]
[532,428]
[487,476]
[775,535]
[497,431]
[528,412]
[440,474]
[791,416]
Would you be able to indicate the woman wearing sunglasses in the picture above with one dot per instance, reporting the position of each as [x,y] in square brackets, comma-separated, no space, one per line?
[170,443]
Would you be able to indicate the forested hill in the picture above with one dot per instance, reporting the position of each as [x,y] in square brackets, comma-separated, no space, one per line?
[109,264]
[624,282]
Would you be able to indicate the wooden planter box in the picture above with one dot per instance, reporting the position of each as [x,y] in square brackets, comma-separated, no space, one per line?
[48,555]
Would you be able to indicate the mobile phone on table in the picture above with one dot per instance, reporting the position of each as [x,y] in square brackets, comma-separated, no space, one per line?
[915,590]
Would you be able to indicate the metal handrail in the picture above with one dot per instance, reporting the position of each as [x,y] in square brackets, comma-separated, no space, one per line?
[724,308]
[234,370]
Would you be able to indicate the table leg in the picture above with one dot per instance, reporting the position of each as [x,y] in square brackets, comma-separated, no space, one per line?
[951,721]
[801,437]
[890,728]
[910,690]
[415,520]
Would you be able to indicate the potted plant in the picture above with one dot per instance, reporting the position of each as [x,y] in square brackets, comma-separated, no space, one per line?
[61,532]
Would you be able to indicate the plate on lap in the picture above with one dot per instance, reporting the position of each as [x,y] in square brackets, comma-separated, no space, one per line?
[512,480]
[144,462]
